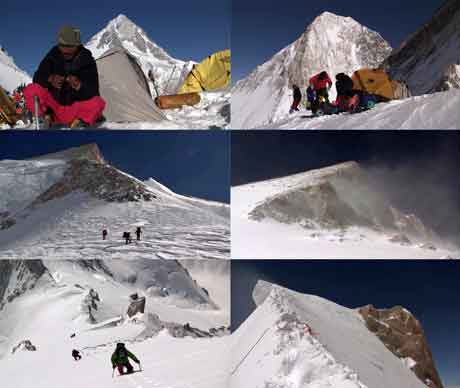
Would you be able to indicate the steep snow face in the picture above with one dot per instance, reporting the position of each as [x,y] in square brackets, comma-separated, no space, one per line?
[59,208]
[121,32]
[430,111]
[300,341]
[427,58]
[54,317]
[332,43]
[332,212]
[11,76]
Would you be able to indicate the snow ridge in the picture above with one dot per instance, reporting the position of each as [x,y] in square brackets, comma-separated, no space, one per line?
[308,343]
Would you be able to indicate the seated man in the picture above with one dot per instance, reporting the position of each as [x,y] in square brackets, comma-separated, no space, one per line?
[67,84]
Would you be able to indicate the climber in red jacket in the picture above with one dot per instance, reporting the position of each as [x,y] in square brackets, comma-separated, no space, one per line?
[321,83]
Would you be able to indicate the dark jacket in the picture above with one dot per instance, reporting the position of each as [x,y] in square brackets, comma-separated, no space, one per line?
[82,66]
[297,94]
[344,85]
[121,357]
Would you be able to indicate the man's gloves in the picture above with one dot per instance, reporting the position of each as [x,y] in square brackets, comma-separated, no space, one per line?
[56,80]
[74,82]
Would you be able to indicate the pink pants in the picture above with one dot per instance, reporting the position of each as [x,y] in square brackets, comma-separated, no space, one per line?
[88,111]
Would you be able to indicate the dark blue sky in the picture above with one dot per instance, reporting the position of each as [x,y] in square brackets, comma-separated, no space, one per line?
[185,29]
[260,28]
[429,289]
[194,163]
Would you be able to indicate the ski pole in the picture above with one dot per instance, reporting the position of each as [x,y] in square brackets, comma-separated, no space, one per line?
[37,124]
[113,372]
[140,367]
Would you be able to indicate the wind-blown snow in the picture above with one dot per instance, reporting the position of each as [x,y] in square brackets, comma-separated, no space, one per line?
[301,341]
[431,111]
[261,225]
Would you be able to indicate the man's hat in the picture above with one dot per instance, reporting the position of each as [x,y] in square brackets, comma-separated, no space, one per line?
[69,36]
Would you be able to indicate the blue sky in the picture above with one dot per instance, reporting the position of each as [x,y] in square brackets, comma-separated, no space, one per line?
[429,289]
[185,29]
[263,27]
[194,163]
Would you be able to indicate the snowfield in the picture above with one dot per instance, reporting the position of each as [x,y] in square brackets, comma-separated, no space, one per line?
[329,213]
[298,340]
[70,226]
[430,111]
[55,309]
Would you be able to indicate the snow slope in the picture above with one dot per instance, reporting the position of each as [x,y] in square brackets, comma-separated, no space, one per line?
[48,314]
[431,111]
[11,76]
[333,43]
[296,340]
[40,219]
[327,213]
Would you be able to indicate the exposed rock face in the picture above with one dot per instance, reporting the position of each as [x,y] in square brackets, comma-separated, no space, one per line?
[403,335]
[339,196]
[427,59]
[16,277]
[333,43]
[90,152]
[101,180]
[137,305]
[24,345]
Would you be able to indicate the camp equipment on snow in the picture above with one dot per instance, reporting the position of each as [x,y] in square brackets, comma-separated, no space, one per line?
[210,74]
[177,100]
[377,82]
[124,87]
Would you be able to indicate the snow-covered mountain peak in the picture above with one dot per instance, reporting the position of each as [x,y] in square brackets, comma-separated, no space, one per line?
[337,196]
[331,42]
[122,32]
[11,76]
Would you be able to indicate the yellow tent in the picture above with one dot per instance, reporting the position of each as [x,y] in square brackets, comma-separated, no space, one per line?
[210,74]
[374,81]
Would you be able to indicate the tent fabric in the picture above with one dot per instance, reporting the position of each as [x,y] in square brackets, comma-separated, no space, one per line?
[124,87]
[373,81]
[210,74]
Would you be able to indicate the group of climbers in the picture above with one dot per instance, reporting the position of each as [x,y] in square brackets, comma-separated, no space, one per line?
[126,235]
[348,99]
